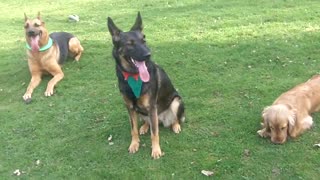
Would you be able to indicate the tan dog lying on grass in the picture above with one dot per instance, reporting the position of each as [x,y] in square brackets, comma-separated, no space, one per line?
[290,114]
[46,53]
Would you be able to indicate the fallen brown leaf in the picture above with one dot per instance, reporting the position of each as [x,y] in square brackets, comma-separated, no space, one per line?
[17,172]
[207,173]
[110,138]
[276,171]
[246,152]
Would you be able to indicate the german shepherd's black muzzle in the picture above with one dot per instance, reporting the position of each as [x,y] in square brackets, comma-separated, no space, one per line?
[145,87]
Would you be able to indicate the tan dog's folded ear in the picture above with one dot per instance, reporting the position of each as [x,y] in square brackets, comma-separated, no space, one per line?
[292,122]
[265,118]
[265,131]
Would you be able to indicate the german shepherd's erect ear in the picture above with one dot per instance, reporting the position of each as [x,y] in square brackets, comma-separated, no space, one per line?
[114,31]
[38,16]
[25,17]
[138,24]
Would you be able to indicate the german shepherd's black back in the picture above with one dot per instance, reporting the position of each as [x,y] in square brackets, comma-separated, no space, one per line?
[145,87]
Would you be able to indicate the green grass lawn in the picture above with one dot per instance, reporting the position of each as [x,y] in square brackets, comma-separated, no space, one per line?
[228,59]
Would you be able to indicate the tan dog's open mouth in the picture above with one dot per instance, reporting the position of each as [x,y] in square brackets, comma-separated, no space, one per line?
[35,43]
[34,39]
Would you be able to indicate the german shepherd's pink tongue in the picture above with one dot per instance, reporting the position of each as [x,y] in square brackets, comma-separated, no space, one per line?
[143,71]
[35,43]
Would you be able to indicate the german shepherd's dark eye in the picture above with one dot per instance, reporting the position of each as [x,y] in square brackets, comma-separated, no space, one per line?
[26,25]
[36,25]
[144,39]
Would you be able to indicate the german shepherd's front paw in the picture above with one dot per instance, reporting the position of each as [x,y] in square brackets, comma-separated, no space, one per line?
[49,92]
[176,128]
[134,147]
[156,153]
[27,97]
[144,129]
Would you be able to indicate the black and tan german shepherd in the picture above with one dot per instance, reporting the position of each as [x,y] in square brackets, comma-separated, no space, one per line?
[146,88]
[46,53]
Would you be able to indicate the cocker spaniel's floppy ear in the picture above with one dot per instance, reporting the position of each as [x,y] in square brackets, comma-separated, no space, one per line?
[265,118]
[292,120]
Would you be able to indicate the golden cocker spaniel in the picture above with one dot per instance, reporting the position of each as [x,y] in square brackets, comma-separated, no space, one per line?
[290,114]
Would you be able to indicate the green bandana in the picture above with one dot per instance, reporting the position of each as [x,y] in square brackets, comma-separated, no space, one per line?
[135,86]
[134,82]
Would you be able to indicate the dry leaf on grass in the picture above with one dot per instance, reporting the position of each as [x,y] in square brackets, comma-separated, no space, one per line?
[17,172]
[317,145]
[110,138]
[246,152]
[276,171]
[207,173]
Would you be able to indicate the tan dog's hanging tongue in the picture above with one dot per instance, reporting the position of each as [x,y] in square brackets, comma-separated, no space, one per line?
[35,43]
